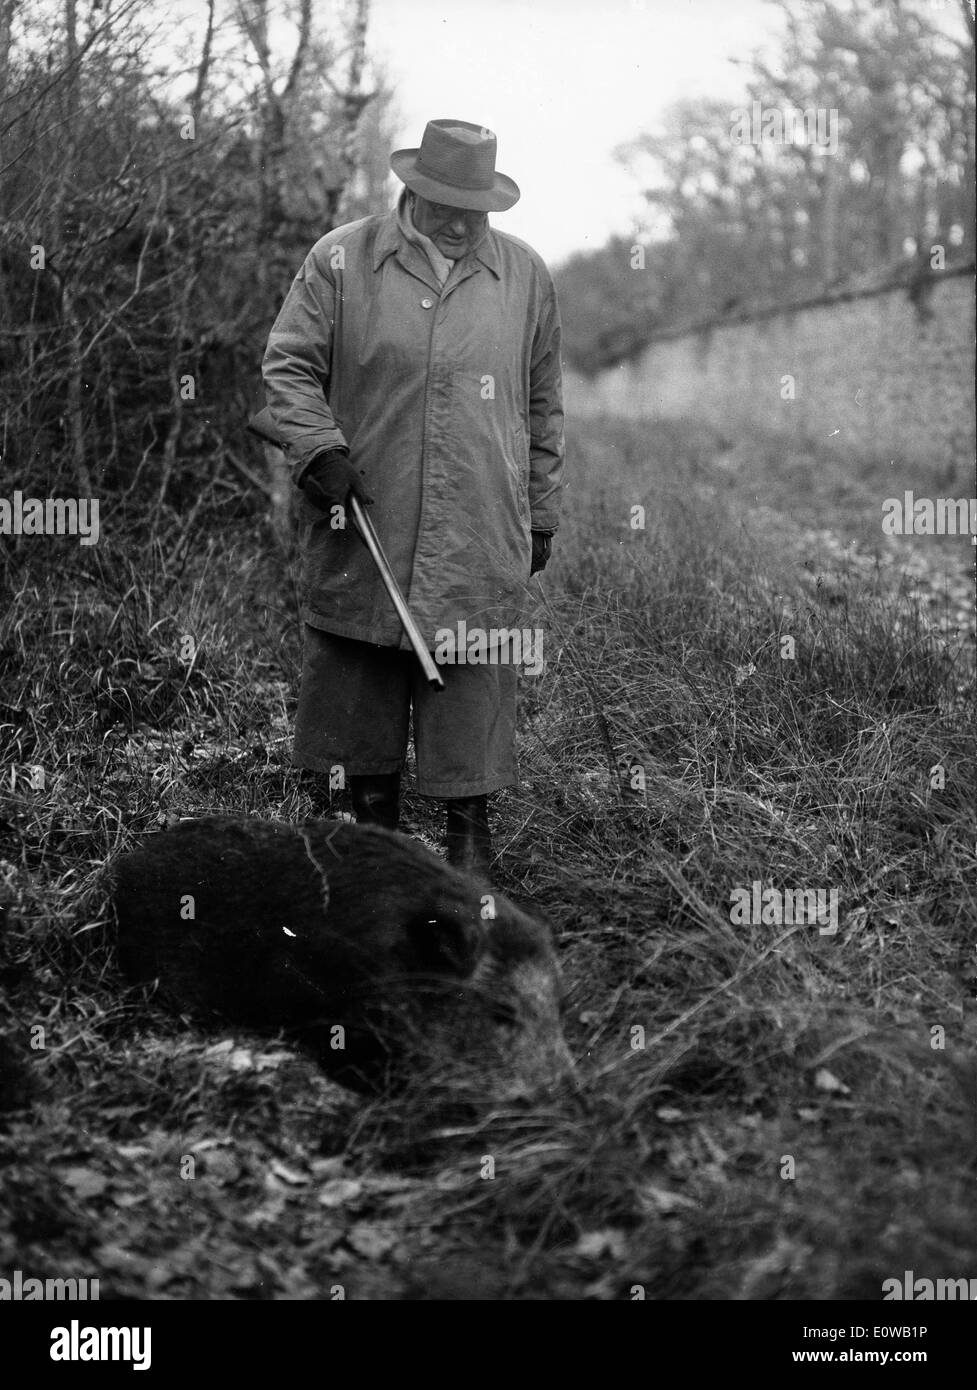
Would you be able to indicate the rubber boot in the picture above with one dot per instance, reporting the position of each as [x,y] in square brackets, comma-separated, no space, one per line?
[469,841]
[376,799]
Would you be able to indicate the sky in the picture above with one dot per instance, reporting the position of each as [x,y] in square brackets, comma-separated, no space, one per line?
[562,83]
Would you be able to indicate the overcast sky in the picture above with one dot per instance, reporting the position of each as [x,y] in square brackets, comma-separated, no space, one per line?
[561,82]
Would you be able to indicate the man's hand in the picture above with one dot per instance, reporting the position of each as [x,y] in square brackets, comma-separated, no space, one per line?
[542,548]
[330,478]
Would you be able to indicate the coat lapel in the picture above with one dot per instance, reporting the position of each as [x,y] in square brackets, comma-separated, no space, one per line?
[390,241]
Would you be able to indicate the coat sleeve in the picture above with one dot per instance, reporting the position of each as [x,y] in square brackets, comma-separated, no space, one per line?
[546,444]
[297,361]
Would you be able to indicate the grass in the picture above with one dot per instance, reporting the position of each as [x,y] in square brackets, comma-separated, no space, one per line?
[761,1111]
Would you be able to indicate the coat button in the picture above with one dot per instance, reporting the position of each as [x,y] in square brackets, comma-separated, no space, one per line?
[427,303]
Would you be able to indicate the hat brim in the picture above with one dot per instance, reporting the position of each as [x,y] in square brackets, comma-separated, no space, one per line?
[503,193]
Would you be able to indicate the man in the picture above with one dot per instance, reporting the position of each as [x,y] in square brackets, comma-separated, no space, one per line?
[416,363]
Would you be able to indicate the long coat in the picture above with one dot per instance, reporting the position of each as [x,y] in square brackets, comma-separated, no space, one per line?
[448,399]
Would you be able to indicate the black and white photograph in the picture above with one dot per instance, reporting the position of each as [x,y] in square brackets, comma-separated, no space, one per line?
[488,799]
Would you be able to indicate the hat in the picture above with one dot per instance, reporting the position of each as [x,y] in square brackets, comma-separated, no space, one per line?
[455,165]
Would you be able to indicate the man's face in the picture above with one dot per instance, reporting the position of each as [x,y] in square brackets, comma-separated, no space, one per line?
[454,231]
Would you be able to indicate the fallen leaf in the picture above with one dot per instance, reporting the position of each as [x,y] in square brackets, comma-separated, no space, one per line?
[372,1239]
[826,1080]
[125,1200]
[269,1061]
[662,1200]
[328,1167]
[593,1244]
[288,1175]
[241,1059]
[85,1182]
[449,1179]
[340,1191]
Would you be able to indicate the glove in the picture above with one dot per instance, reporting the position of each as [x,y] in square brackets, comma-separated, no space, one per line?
[329,479]
[542,548]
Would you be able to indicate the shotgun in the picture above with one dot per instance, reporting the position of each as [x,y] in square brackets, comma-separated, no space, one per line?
[263,425]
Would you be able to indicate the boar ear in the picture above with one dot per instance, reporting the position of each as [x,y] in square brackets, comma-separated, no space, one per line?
[444,943]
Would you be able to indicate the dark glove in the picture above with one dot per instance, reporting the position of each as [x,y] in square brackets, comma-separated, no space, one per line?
[330,478]
[542,547]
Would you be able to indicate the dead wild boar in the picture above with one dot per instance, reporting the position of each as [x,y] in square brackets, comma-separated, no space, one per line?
[356,941]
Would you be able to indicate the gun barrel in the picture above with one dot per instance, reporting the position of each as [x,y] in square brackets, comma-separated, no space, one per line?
[263,425]
[372,541]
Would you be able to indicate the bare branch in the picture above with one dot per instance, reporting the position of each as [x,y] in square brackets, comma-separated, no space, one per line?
[203,70]
[301,47]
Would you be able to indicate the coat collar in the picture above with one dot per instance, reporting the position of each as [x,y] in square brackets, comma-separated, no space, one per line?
[390,241]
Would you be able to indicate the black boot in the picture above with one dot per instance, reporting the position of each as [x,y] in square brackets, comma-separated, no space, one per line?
[469,841]
[376,799]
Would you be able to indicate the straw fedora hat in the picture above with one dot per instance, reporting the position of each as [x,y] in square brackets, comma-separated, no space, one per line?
[455,165]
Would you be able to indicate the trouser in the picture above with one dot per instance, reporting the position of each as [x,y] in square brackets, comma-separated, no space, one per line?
[354,711]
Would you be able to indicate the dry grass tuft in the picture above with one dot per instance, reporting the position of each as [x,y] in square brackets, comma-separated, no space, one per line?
[760,1111]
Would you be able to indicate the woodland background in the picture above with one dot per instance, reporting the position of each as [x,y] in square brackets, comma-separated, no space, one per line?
[173,195]
[127,367]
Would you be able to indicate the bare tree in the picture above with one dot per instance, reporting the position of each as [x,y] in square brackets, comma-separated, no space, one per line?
[276,104]
[203,68]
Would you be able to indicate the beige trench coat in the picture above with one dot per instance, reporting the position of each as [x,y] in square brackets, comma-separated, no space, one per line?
[449,400]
